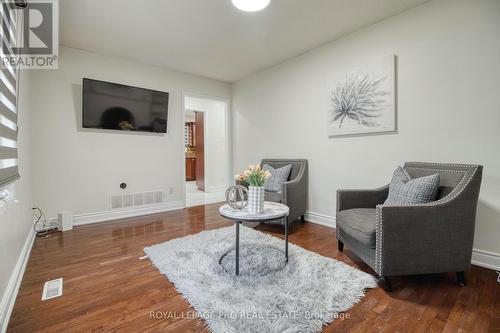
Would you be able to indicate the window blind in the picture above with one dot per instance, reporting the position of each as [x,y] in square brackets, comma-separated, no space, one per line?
[8,96]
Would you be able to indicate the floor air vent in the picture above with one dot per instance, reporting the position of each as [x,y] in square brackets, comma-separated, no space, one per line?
[52,289]
[130,200]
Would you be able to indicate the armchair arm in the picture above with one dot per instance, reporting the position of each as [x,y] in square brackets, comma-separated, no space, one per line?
[427,238]
[349,199]
[294,194]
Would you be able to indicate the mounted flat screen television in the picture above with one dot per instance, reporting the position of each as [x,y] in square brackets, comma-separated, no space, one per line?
[115,106]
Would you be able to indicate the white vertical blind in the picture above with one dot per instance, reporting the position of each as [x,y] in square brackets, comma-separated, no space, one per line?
[8,96]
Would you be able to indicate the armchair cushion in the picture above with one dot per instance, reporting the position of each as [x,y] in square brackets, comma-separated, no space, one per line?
[406,191]
[359,223]
[278,176]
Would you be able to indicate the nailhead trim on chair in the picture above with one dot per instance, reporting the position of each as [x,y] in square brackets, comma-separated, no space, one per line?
[338,210]
[379,210]
[338,200]
[458,189]
[448,170]
[378,241]
[446,164]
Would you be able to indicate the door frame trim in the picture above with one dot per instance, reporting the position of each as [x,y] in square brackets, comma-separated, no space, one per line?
[204,151]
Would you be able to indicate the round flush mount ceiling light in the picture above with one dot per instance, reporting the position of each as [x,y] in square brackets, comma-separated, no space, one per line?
[250,5]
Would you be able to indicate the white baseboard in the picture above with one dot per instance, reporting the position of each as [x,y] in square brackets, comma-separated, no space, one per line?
[486,259]
[481,258]
[10,295]
[326,220]
[89,218]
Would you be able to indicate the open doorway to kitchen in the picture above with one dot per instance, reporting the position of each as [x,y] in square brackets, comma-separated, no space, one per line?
[206,149]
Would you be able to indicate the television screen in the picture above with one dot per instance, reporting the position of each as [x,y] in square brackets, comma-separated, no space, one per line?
[118,107]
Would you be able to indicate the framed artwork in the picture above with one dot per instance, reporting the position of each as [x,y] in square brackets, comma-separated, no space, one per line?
[363,100]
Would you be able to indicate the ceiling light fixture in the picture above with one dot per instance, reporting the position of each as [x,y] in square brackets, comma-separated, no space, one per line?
[250,5]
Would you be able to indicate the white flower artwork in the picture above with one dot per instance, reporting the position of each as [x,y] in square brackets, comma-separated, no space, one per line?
[364,100]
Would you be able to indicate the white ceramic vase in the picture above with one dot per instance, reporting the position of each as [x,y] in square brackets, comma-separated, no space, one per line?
[255,199]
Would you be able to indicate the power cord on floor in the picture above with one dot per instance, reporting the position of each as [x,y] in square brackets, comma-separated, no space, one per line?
[39,217]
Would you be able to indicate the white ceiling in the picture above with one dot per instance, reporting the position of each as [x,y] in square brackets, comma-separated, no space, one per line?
[211,38]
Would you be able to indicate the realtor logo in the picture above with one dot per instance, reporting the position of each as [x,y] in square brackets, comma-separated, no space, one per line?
[30,35]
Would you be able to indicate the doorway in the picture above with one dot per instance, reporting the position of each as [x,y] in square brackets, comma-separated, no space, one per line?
[194,143]
[206,149]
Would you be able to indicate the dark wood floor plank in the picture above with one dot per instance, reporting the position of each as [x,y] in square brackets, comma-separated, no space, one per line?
[107,288]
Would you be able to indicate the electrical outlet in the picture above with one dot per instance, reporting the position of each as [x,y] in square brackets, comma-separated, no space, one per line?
[170,190]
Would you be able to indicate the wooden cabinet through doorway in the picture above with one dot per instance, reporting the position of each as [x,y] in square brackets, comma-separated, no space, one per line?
[190,169]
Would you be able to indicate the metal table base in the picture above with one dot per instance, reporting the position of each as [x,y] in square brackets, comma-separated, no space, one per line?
[237,248]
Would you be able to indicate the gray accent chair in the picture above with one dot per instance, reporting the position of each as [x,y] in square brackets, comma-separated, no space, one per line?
[415,239]
[293,192]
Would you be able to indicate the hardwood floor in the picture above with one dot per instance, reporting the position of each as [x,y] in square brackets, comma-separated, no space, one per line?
[107,287]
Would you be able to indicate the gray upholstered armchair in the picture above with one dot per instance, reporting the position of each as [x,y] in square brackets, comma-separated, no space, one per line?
[417,239]
[293,192]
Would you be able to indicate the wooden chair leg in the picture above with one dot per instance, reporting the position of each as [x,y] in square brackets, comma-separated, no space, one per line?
[385,282]
[341,246]
[461,278]
[302,219]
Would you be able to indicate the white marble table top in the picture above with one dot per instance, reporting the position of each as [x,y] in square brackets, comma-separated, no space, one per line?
[272,211]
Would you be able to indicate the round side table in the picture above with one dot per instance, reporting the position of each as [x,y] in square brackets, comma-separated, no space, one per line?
[272,211]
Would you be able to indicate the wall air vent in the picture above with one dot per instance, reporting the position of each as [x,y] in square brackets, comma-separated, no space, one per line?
[149,198]
[128,200]
[116,202]
[138,199]
[159,197]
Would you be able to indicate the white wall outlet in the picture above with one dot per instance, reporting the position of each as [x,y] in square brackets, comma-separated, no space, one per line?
[171,190]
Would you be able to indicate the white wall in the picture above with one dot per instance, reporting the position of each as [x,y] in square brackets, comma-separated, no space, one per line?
[189,116]
[77,169]
[15,215]
[216,132]
[448,106]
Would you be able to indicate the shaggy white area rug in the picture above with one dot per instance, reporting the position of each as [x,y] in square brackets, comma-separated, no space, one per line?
[268,296]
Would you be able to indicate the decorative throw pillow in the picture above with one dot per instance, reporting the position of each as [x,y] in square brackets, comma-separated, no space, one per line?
[278,177]
[403,190]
